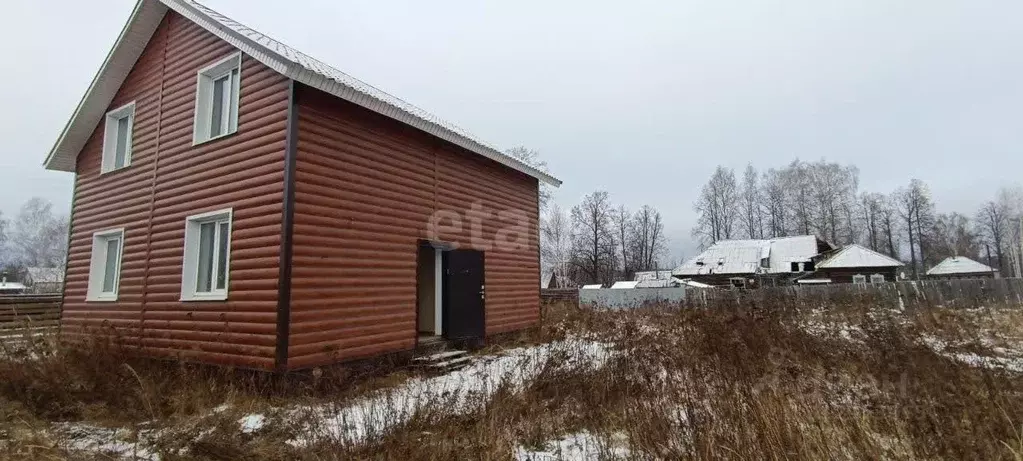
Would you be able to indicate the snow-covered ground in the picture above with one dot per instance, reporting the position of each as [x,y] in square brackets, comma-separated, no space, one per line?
[352,422]
[460,391]
[581,446]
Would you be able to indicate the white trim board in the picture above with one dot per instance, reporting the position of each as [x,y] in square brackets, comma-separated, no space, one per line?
[275,55]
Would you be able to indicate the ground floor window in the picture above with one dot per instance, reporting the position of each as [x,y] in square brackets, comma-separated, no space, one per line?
[877,278]
[105,265]
[860,278]
[207,259]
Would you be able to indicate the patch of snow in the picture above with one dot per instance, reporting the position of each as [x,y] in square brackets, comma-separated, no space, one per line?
[117,443]
[460,391]
[581,446]
[1006,359]
[252,423]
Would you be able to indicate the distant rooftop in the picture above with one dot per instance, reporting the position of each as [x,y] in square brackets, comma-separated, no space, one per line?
[960,265]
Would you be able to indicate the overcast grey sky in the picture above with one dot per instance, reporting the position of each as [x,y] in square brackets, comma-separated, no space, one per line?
[642,99]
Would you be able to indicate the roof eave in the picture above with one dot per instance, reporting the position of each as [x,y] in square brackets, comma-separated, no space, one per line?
[65,150]
[290,69]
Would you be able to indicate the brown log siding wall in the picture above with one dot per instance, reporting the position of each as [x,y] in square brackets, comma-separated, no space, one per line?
[168,180]
[365,189]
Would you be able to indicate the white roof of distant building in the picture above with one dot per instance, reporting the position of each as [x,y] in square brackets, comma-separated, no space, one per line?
[11,286]
[695,284]
[959,265]
[624,284]
[595,286]
[744,256]
[657,283]
[858,256]
[284,59]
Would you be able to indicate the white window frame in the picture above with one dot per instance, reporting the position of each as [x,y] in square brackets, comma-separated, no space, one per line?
[859,279]
[190,260]
[97,265]
[877,278]
[202,125]
[110,137]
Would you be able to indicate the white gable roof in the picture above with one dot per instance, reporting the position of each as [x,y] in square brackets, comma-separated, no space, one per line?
[288,61]
[628,284]
[959,265]
[857,256]
[744,256]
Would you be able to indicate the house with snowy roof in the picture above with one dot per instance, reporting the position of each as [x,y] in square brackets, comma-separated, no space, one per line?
[961,267]
[853,264]
[750,263]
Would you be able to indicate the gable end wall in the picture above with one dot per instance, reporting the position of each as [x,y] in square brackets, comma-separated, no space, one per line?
[168,180]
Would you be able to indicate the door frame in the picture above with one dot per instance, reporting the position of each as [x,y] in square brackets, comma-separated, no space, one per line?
[438,284]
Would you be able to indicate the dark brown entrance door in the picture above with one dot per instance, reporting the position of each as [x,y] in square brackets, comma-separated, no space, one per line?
[463,294]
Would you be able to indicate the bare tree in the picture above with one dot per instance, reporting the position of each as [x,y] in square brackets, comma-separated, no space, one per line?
[593,238]
[751,219]
[716,207]
[38,237]
[871,204]
[916,210]
[887,214]
[797,178]
[532,158]
[556,240]
[773,201]
[952,236]
[649,243]
[622,220]
[992,226]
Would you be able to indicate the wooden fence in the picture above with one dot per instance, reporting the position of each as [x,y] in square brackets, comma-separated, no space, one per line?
[28,314]
[956,294]
[555,295]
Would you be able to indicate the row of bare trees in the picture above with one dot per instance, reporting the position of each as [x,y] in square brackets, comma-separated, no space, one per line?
[600,242]
[822,198]
[35,237]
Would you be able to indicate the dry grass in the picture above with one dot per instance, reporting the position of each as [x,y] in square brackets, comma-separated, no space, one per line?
[847,382]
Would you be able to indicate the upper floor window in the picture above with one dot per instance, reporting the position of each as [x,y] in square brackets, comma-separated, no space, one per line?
[105,265]
[216,102]
[207,258]
[117,135]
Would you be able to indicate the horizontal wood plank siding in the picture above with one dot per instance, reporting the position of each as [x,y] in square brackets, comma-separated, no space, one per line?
[170,179]
[366,188]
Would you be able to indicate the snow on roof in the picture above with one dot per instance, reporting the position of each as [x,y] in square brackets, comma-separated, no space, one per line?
[695,284]
[595,286]
[660,283]
[959,265]
[11,286]
[652,275]
[45,274]
[744,256]
[858,256]
[624,285]
[288,61]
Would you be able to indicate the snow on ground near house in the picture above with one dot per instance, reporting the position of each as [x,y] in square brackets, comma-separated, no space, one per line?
[111,443]
[352,422]
[1001,358]
[460,391]
[581,446]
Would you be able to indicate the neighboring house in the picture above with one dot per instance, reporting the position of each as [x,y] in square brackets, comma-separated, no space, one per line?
[751,263]
[553,280]
[854,264]
[961,267]
[241,203]
[45,279]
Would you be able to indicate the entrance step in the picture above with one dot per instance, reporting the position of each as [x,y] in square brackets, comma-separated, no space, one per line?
[443,361]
